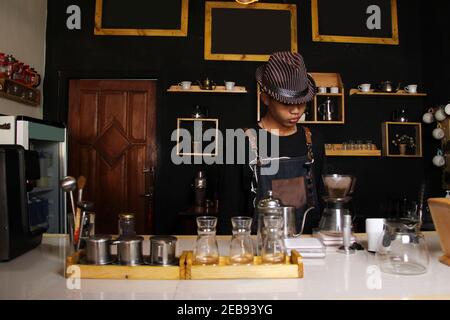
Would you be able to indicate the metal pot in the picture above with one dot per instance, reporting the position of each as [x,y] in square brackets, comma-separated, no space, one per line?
[129,250]
[162,250]
[98,249]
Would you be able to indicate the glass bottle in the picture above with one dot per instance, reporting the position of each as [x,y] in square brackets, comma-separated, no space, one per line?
[126,225]
[206,251]
[241,246]
[273,250]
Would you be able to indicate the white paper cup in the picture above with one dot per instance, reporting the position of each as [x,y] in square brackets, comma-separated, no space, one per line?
[322,89]
[374,229]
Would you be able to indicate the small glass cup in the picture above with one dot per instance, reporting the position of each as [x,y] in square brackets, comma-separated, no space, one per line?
[359,145]
[206,251]
[351,145]
[241,246]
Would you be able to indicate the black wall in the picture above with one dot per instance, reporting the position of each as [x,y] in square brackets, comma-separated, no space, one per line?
[80,54]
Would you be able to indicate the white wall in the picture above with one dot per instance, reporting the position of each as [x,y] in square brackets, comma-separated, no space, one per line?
[22,34]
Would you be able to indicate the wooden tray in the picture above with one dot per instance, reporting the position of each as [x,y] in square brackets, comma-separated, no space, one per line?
[293,268]
[118,272]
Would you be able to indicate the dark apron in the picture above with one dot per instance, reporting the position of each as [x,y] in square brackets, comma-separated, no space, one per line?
[293,184]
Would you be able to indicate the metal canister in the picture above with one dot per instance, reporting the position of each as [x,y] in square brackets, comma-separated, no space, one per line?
[129,250]
[98,249]
[162,250]
[127,225]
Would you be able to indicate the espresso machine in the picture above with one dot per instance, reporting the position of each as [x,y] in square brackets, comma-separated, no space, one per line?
[338,191]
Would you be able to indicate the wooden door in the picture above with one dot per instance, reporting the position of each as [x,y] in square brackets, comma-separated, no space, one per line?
[112,142]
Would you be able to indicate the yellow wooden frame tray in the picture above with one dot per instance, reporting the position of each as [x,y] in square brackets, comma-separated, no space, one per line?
[292,268]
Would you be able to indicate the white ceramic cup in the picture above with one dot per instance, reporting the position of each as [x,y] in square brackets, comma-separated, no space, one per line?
[440,115]
[322,89]
[438,160]
[412,88]
[428,117]
[334,89]
[365,87]
[447,109]
[229,85]
[374,228]
[438,133]
[185,85]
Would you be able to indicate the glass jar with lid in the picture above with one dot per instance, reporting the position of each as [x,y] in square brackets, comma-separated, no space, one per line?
[127,225]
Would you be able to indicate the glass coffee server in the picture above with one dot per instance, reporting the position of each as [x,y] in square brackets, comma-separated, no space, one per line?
[241,246]
[206,250]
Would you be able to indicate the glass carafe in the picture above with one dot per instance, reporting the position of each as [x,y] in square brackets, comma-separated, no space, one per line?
[241,246]
[402,248]
[273,250]
[206,251]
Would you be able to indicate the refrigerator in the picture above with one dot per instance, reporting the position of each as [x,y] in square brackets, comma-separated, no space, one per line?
[49,140]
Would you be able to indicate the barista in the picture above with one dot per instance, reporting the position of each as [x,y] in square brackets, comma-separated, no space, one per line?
[286,89]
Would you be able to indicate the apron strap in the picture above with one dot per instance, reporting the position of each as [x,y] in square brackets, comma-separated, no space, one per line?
[254,147]
[309,147]
[310,185]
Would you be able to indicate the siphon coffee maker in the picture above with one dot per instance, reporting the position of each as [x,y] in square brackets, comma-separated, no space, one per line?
[338,189]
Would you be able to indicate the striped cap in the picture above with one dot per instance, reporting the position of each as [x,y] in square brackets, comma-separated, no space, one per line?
[285,79]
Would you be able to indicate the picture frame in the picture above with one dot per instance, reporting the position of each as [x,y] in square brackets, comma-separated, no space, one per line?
[317,37]
[262,8]
[197,150]
[101,30]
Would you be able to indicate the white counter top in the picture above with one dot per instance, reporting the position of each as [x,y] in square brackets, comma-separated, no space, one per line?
[38,274]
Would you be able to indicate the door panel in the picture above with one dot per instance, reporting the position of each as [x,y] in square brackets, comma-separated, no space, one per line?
[112,141]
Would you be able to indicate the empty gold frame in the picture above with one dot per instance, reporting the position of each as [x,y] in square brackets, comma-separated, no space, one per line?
[198,150]
[210,5]
[100,30]
[394,40]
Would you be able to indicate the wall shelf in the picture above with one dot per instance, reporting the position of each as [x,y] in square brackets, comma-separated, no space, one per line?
[16,91]
[376,93]
[196,89]
[337,151]
[389,129]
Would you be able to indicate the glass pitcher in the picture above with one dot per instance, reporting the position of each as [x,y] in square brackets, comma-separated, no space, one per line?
[402,248]
[241,246]
[206,251]
[273,250]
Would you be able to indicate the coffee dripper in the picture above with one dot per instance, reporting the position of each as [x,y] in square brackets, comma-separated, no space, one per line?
[338,189]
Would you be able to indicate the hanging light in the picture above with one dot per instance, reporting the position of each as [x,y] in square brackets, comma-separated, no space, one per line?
[246,1]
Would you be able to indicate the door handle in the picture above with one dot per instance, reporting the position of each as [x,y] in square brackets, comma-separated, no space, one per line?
[147,195]
[5,126]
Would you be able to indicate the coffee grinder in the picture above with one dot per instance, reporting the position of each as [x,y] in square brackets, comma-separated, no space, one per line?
[338,191]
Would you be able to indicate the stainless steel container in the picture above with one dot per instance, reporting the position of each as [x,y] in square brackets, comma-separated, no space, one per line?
[98,249]
[129,250]
[289,223]
[162,250]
